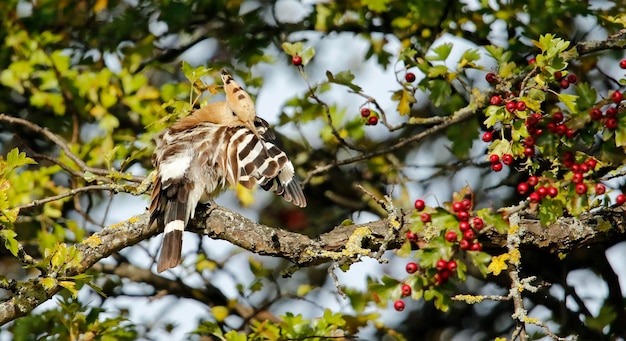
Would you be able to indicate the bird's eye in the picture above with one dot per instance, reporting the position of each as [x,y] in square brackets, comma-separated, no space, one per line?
[233,113]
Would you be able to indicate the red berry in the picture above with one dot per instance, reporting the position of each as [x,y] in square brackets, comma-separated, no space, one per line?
[451,236]
[467,204]
[411,236]
[478,223]
[538,132]
[463,216]
[532,121]
[534,197]
[591,163]
[622,63]
[577,178]
[543,191]
[620,199]
[441,264]
[551,127]
[469,234]
[409,77]
[373,120]
[558,75]
[296,60]
[406,290]
[496,167]
[507,159]
[595,114]
[568,156]
[611,123]
[572,78]
[493,158]
[491,77]
[425,217]
[600,189]
[520,106]
[452,265]
[419,204]
[441,277]
[464,226]
[487,136]
[411,267]
[575,168]
[532,181]
[557,117]
[398,305]
[584,168]
[553,191]
[511,106]
[464,244]
[495,100]
[617,96]
[564,84]
[529,141]
[476,247]
[561,129]
[457,206]
[522,188]
[611,112]
[581,188]
[365,112]
[528,151]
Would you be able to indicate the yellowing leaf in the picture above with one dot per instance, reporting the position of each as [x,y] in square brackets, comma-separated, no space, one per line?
[69,285]
[303,290]
[404,106]
[220,313]
[48,282]
[245,196]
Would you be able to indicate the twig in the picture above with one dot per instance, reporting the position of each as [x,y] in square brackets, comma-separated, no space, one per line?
[458,116]
[69,193]
[328,115]
[61,144]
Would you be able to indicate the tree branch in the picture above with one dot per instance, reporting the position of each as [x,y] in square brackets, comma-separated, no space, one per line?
[606,226]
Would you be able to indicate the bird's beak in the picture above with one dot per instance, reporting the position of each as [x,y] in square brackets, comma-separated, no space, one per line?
[250,125]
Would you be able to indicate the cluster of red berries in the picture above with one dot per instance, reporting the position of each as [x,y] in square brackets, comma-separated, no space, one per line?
[371,120]
[539,192]
[609,117]
[468,231]
[444,271]
[564,82]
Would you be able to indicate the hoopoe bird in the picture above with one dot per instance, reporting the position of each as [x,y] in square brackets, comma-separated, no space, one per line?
[220,144]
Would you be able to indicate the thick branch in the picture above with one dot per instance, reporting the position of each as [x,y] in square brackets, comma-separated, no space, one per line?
[602,227]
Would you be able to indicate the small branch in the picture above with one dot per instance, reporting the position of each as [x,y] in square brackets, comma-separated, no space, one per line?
[69,193]
[459,116]
[327,112]
[62,145]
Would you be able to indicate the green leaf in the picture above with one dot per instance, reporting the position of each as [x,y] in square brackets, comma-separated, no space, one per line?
[343,78]
[376,5]
[569,101]
[15,159]
[441,52]
[307,55]
[292,49]
[9,241]
[587,96]
[440,91]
